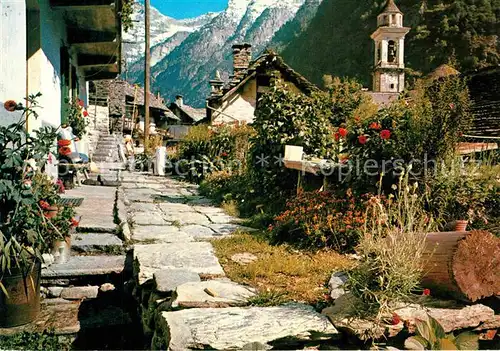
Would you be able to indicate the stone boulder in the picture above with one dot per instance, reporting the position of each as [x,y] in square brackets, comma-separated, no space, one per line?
[336,284]
[211,293]
[237,327]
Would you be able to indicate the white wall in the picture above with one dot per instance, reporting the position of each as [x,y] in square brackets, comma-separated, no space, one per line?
[241,106]
[12,56]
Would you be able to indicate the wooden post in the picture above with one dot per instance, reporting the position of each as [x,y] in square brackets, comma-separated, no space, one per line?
[147,74]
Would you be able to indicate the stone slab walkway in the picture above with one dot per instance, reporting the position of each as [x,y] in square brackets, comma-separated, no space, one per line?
[185,299]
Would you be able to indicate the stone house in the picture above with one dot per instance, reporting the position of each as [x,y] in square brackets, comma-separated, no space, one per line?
[56,47]
[187,116]
[123,103]
[237,100]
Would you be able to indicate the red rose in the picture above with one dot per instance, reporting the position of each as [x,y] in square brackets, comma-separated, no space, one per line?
[395,319]
[336,136]
[375,125]
[85,113]
[10,105]
[343,132]
[80,103]
[426,292]
[362,139]
[385,134]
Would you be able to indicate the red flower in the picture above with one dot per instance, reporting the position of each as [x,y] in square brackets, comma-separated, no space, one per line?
[64,142]
[85,113]
[224,154]
[343,132]
[362,139]
[80,103]
[44,204]
[385,134]
[395,319]
[426,292]
[64,151]
[336,136]
[10,105]
[74,222]
[375,125]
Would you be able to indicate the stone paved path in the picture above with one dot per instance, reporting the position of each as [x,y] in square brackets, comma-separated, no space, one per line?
[185,299]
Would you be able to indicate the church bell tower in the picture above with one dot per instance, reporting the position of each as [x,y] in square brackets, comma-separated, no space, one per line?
[389,38]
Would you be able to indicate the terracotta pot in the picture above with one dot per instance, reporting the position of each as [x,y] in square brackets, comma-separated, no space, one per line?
[21,305]
[61,250]
[461,226]
[51,212]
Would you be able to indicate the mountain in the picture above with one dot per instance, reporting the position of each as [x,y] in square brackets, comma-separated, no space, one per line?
[135,70]
[162,28]
[188,67]
[337,40]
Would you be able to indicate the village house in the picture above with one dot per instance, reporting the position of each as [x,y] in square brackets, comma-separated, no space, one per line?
[56,47]
[237,100]
[123,104]
[187,116]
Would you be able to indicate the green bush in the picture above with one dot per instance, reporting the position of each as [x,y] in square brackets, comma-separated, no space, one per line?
[207,149]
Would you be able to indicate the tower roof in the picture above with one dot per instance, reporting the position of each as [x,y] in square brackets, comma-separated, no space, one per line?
[391,7]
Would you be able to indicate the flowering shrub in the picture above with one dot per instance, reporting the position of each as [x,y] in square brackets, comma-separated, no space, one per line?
[76,117]
[321,219]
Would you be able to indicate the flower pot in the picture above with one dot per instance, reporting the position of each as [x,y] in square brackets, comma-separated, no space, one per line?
[61,250]
[22,304]
[51,212]
[461,226]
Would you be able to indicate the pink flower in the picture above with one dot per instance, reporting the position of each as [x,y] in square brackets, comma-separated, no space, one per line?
[452,106]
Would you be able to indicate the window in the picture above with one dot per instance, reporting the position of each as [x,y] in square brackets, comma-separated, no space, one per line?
[391,51]
[392,86]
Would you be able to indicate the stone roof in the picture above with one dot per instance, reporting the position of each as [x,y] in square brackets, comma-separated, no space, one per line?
[484,86]
[196,114]
[268,60]
[442,71]
[391,7]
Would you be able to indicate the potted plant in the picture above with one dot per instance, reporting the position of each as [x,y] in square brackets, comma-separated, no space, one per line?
[458,197]
[22,223]
[59,234]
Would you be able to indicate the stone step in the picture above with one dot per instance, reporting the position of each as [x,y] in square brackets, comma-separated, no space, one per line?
[82,266]
[256,328]
[198,257]
[96,242]
[211,293]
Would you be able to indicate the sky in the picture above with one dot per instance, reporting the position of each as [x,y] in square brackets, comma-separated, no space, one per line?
[188,8]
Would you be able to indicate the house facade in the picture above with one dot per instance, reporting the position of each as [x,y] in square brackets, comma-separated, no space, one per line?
[237,100]
[55,47]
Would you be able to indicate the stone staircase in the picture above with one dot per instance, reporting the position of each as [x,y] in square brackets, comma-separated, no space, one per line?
[86,300]
[107,157]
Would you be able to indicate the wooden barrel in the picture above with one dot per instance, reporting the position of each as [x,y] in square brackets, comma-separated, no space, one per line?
[464,265]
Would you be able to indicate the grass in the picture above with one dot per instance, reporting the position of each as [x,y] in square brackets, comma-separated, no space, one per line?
[231,208]
[281,274]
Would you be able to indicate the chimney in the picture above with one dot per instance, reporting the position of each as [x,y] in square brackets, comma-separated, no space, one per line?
[179,100]
[242,55]
[216,85]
